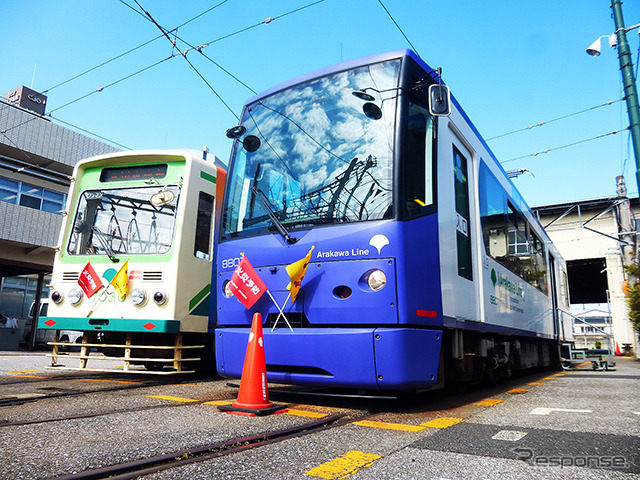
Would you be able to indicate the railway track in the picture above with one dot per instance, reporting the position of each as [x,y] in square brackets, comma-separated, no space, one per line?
[181,458]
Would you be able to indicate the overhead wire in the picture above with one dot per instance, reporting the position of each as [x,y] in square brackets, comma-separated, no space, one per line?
[565,146]
[541,124]
[398,26]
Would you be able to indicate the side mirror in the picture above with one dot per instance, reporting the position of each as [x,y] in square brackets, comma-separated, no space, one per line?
[439,100]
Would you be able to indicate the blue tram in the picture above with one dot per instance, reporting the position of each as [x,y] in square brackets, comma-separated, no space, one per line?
[428,264]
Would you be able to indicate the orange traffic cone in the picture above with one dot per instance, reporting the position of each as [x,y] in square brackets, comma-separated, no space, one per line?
[253,397]
[618,352]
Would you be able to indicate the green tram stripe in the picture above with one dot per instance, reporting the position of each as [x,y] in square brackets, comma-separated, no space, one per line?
[198,298]
[208,176]
[109,324]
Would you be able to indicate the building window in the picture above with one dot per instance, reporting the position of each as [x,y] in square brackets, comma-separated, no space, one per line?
[39,198]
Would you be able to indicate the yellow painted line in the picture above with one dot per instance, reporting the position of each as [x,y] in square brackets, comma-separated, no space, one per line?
[219,402]
[390,426]
[536,383]
[518,390]
[549,378]
[442,422]
[25,371]
[187,385]
[489,402]
[305,413]
[104,380]
[559,374]
[343,466]
[172,399]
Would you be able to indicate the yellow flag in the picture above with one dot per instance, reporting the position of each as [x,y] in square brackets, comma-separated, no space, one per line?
[296,273]
[121,281]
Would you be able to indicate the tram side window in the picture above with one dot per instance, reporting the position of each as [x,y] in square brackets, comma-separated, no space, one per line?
[508,238]
[418,162]
[204,219]
[461,180]
[492,215]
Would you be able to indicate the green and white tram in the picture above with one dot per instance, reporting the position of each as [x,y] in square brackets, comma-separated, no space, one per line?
[133,267]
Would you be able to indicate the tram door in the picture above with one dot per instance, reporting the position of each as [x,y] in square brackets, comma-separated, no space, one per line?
[467,279]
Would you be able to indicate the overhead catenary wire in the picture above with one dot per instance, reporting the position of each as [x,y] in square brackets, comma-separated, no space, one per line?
[183,54]
[548,150]
[541,124]
[398,26]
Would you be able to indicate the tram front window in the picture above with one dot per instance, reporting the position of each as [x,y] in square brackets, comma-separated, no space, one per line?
[123,221]
[315,153]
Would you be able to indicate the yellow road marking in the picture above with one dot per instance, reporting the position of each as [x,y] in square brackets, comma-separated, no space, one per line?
[25,371]
[104,380]
[536,383]
[305,413]
[518,390]
[559,374]
[343,466]
[442,422]
[219,402]
[549,378]
[390,426]
[172,399]
[489,402]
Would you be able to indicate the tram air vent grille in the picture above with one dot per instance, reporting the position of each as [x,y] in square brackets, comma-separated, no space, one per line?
[152,276]
[70,276]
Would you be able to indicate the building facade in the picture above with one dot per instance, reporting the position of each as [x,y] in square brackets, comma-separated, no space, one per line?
[596,238]
[36,161]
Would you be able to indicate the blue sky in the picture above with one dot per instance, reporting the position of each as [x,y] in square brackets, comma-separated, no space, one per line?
[510,64]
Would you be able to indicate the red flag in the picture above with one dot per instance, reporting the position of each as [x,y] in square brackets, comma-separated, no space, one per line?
[89,280]
[246,284]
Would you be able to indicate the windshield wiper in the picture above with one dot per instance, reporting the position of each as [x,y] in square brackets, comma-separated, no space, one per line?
[105,245]
[274,219]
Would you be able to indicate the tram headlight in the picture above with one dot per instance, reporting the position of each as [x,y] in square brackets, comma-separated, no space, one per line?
[376,279]
[227,289]
[160,298]
[75,296]
[57,296]
[138,296]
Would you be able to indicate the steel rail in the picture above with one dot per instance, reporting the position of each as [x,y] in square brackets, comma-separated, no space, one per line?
[147,466]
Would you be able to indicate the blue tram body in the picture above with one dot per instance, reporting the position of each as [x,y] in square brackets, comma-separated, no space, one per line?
[426,262]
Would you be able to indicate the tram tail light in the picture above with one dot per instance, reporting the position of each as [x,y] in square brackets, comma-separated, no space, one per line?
[160,298]
[57,297]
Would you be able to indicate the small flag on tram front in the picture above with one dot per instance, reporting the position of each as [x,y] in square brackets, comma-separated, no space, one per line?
[246,284]
[89,280]
[121,280]
[296,273]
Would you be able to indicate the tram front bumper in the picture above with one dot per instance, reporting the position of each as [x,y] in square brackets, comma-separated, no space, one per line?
[362,358]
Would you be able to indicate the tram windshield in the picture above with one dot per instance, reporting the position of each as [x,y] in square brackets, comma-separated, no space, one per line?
[315,153]
[124,221]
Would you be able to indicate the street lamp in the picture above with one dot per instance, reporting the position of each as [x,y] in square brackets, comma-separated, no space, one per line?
[619,38]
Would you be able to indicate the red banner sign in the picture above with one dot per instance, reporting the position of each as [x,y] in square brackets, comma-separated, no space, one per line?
[246,284]
[89,280]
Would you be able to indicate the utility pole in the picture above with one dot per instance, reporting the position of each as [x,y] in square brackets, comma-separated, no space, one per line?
[629,81]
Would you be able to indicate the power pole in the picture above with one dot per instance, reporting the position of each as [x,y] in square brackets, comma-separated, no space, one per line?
[629,81]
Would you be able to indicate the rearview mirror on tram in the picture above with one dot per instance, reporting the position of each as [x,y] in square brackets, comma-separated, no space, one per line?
[439,100]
